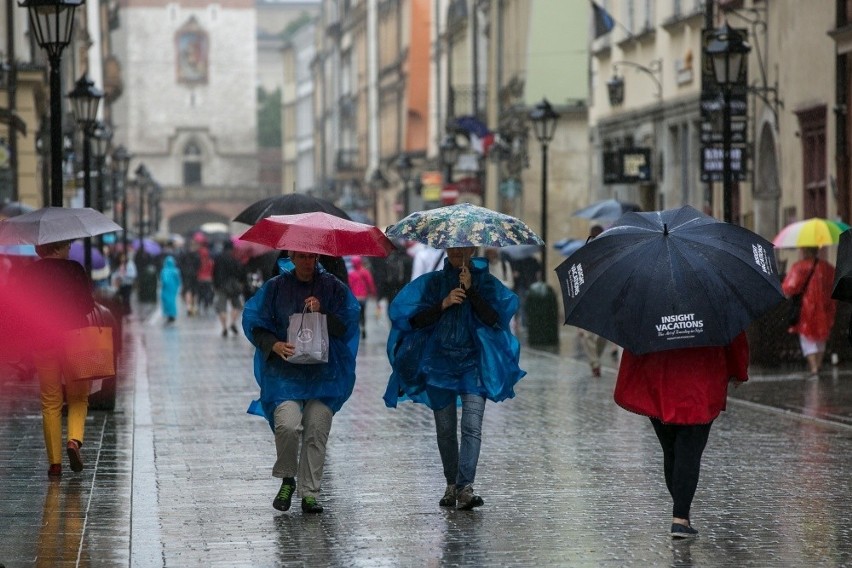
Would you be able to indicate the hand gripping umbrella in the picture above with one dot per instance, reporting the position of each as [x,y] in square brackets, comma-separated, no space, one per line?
[463,225]
[320,233]
[670,279]
[52,224]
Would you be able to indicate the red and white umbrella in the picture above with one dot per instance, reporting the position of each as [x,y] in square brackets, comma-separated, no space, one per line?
[320,233]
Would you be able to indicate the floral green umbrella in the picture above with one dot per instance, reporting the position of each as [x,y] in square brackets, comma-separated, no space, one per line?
[463,225]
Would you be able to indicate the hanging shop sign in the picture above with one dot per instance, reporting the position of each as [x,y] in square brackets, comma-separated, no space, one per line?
[632,165]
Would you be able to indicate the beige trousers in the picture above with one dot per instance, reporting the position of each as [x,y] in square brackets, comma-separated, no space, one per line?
[594,346]
[308,422]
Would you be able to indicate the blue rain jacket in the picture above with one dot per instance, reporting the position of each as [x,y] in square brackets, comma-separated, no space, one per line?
[170,282]
[270,308]
[459,354]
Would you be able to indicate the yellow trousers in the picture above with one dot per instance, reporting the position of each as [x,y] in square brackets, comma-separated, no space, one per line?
[49,369]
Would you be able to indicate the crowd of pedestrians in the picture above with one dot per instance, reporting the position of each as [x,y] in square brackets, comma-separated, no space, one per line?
[452,347]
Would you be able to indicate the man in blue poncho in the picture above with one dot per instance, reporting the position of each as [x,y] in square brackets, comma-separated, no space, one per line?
[450,338]
[300,400]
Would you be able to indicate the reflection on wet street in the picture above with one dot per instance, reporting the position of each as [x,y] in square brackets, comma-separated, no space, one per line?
[179,475]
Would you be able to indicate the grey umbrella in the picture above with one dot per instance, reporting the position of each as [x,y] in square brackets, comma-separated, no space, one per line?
[52,224]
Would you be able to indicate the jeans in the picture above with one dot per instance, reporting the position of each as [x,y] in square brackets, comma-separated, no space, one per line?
[682,449]
[460,462]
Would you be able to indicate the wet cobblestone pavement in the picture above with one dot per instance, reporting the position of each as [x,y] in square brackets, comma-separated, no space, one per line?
[179,475]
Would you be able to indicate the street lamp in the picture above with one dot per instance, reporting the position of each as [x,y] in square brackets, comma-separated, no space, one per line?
[51,22]
[544,120]
[377,182]
[102,137]
[405,169]
[728,51]
[540,305]
[143,178]
[86,98]
[120,164]
[449,151]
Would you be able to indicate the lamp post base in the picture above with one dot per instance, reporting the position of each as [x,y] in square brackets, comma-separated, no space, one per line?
[542,315]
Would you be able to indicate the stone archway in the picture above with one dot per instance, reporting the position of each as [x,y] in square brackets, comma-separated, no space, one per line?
[187,222]
[767,187]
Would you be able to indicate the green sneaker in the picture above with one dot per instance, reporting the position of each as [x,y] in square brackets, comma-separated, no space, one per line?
[310,505]
[285,495]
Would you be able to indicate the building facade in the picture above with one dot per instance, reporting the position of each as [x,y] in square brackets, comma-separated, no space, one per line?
[189,108]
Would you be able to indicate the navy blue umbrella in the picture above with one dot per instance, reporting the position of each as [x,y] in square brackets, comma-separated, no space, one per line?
[670,279]
[606,210]
[843,274]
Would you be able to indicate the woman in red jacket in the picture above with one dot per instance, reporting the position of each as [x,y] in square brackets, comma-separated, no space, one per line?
[813,278]
[682,391]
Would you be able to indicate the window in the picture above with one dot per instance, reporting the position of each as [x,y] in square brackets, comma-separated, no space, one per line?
[812,125]
[192,164]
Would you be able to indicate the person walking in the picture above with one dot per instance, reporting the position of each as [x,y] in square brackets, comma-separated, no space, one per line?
[299,401]
[228,279]
[593,345]
[450,339]
[53,296]
[682,391]
[204,277]
[189,261]
[813,278]
[123,279]
[170,282]
[363,287]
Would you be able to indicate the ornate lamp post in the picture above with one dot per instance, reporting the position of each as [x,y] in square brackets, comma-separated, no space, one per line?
[86,98]
[544,120]
[377,182]
[143,178]
[120,164]
[51,22]
[728,51]
[101,138]
[405,169]
[449,151]
[541,308]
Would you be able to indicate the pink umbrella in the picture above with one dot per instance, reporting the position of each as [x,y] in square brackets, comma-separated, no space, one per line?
[319,233]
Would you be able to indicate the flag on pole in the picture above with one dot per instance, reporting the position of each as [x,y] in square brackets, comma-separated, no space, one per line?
[602,20]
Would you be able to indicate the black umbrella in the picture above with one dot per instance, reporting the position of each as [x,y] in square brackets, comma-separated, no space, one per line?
[670,279]
[607,210]
[843,272]
[289,204]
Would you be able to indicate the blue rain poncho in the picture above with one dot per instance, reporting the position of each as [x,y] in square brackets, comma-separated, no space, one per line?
[459,354]
[270,308]
[170,281]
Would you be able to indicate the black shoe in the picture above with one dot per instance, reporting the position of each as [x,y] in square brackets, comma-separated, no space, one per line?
[683,531]
[466,499]
[234,329]
[225,332]
[310,505]
[74,456]
[285,495]
[449,498]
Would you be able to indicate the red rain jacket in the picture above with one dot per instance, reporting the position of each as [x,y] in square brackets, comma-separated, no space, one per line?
[818,308]
[681,386]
